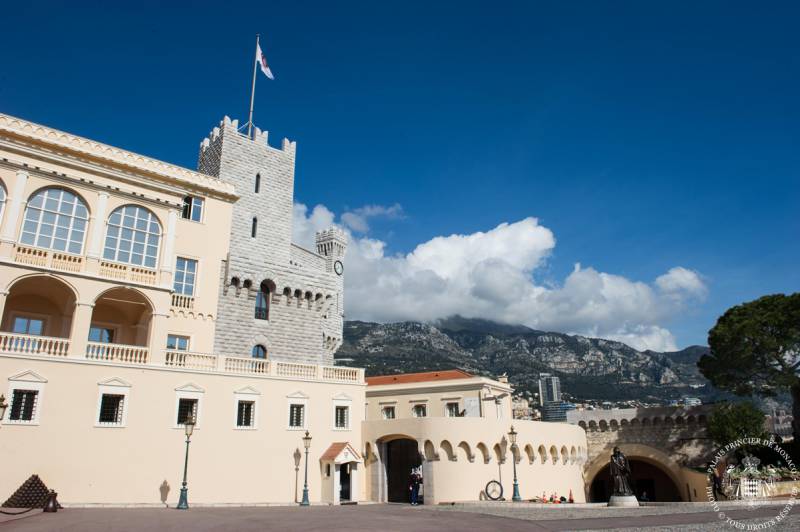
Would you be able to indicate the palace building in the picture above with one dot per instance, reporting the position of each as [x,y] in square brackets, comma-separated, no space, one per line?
[136,294]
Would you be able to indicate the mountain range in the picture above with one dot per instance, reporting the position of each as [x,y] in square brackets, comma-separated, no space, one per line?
[589,368]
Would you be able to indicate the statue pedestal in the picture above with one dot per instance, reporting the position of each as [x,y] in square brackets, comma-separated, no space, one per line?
[623,501]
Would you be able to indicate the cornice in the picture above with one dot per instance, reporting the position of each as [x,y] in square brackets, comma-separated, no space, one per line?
[105,154]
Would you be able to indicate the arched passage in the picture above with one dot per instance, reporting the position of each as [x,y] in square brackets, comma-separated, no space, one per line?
[648,479]
[652,471]
[39,305]
[402,456]
[121,316]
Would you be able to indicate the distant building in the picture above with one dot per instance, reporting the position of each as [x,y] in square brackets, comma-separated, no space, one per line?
[549,389]
[521,409]
[551,405]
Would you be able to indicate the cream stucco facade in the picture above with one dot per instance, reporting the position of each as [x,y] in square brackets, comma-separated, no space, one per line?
[126,310]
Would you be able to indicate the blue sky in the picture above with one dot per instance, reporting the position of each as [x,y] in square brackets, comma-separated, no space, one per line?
[644,136]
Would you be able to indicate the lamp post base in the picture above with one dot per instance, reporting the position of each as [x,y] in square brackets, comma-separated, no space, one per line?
[516,497]
[305,498]
[183,500]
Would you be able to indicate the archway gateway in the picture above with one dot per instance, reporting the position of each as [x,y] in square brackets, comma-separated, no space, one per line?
[402,456]
[649,479]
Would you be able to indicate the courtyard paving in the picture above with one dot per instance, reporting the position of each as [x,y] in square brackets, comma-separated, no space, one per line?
[392,518]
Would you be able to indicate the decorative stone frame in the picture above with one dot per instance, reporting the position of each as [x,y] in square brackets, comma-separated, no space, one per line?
[297,398]
[345,401]
[113,386]
[188,391]
[27,380]
[247,393]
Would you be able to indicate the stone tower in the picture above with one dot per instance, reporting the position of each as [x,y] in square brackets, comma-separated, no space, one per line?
[301,289]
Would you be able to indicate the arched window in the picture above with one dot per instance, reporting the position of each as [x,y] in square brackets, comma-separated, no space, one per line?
[258,183]
[133,236]
[259,351]
[254,227]
[55,219]
[262,302]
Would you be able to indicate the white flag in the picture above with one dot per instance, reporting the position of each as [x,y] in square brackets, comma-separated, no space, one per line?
[261,59]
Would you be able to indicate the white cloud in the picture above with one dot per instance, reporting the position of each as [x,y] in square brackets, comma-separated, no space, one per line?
[358,219]
[491,275]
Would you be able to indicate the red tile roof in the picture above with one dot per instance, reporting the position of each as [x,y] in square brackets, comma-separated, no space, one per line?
[428,376]
[337,447]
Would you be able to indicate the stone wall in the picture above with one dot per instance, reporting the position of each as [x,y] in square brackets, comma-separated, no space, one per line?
[305,317]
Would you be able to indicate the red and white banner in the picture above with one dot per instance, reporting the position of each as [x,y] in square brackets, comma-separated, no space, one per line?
[261,59]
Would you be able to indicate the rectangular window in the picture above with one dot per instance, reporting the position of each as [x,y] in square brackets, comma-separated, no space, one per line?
[342,417]
[419,411]
[185,273]
[177,343]
[23,405]
[245,414]
[192,209]
[388,412]
[103,335]
[262,305]
[452,410]
[297,416]
[23,325]
[186,408]
[111,407]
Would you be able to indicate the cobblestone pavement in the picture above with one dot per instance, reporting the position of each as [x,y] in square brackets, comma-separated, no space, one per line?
[391,518]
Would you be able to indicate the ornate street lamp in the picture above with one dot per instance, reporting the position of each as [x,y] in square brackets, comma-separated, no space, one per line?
[188,427]
[3,406]
[307,445]
[512,436]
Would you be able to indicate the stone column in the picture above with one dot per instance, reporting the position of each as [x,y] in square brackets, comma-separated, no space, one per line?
[3,296]
[158,338]
[98,223]
[8,237]
[168,258]
[81,322]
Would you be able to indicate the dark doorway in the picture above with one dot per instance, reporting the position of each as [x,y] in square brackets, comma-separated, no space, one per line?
[344,482]
[401,457]
[646,477]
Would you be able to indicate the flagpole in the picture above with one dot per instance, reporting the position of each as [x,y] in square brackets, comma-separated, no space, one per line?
[252,93]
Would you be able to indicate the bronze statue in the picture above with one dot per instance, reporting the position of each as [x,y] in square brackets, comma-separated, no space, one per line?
[620,473]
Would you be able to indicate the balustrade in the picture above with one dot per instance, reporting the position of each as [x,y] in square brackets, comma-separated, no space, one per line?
[44,258]
[26,344]
[132,354]
[189,360]
[257,366]
[182,301]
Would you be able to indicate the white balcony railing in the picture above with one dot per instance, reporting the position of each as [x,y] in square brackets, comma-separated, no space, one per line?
[131,354]
[251,366]
[26,344]
[125,272]
[67,262]
[45,258]
[189,360]
[294,370]
[341,373]
[182,301]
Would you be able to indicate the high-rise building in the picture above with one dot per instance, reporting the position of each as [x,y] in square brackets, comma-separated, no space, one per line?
[553,409]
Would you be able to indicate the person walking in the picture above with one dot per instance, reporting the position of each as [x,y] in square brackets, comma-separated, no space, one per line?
[413,485]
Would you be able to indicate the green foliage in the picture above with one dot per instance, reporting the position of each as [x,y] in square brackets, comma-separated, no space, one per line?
[755,349]
[732,421]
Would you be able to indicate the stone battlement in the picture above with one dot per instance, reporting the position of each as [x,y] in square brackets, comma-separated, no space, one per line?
[259,137]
